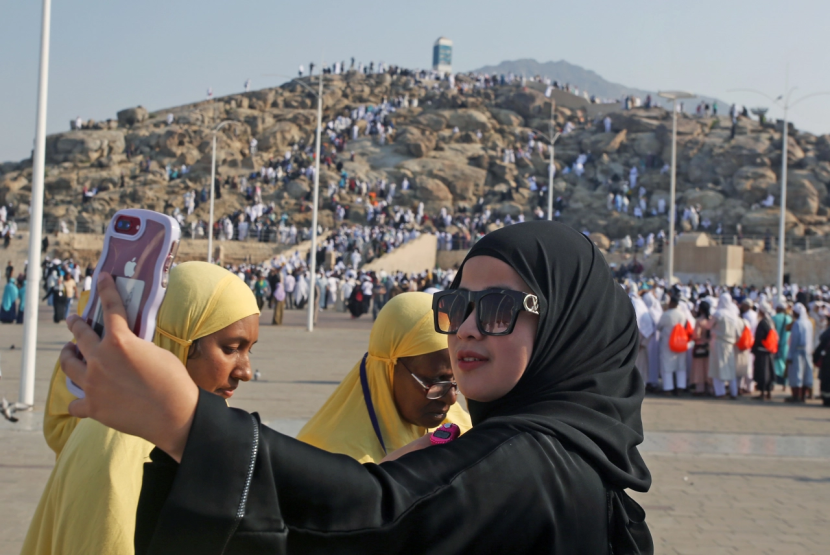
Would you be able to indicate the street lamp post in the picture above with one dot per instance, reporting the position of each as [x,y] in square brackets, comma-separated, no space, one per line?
[313,272]
[786,105]
[674,96]
[552,138]
[315,194]
[27,370]
[551,169]
[213,187]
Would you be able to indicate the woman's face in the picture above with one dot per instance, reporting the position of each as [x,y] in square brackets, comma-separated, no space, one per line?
[219,361]
[411,397]
[487,367]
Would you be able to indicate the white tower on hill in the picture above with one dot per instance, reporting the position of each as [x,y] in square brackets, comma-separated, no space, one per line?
[442,55]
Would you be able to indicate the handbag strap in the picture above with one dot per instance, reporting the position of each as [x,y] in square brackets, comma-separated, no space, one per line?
[367,397]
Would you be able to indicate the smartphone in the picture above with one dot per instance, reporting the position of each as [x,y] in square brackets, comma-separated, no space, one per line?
[139,249]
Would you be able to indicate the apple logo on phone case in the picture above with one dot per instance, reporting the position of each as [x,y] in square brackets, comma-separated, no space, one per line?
[129,268]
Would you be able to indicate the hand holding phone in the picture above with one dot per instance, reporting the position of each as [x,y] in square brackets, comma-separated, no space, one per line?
[139,249]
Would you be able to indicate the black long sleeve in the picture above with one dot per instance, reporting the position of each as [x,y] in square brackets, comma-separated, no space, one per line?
[244,488]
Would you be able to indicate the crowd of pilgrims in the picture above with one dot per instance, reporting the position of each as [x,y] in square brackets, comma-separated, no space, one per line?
[64,281]
[377,198]
[284,283]
[719,341]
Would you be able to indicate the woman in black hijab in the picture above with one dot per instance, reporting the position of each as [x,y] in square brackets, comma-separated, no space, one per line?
[543,470]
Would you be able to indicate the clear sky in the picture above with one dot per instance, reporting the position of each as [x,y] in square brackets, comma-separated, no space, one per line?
[107,55]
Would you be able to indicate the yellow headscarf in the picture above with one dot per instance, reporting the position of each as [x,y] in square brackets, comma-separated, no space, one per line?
[404,328]
[206,299]
[89,503]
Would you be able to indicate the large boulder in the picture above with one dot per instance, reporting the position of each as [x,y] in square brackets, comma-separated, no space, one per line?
[297,189]
[256,120]
[604,142]
[638,120]
[708,200]
[645,143]
[462,180]
[527,103]
[685,126]
[468,120]
[752,184]
[83,146]
[823,148]
[434,121]
[802,194]
[794,151]
[172,142]
[822,172]
[760,222]
[429,189]
[279,137]
[507,118]
[132,116]
[509,208]
[416,141]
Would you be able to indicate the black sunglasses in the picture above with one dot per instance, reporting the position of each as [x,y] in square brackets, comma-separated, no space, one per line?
[496,309]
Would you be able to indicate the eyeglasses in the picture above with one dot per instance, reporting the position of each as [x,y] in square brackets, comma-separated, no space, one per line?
[496,309]
[434,390]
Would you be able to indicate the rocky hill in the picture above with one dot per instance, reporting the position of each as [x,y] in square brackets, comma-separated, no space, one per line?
[450,147]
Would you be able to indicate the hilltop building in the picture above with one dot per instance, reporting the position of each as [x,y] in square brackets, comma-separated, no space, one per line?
[442,55]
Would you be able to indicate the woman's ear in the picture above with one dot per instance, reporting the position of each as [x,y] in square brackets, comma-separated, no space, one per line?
[193,352]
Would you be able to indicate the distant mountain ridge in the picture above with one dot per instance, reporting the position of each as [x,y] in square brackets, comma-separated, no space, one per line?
[585,79]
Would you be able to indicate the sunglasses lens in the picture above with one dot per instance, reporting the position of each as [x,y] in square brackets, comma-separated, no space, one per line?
[497,311]
[451,311]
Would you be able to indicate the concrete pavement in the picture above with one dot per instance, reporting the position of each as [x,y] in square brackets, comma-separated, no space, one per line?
[728,476]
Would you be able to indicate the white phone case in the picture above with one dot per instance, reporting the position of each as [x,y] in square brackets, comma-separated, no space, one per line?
[139,262]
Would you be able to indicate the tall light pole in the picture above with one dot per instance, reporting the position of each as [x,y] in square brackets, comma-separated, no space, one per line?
[27,371]
[213,187]
[674,96]
[316,193]
[783,101]
[551,169]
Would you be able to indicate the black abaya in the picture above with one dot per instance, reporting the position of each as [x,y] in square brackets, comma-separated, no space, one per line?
[763,370]
[542,471]
[821,358]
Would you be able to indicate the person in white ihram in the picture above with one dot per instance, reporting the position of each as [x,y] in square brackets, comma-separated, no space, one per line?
[672,364]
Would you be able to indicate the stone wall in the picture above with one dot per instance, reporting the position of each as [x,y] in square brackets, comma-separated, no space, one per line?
[718,264]
[415,256]
[808,267]
[86,248]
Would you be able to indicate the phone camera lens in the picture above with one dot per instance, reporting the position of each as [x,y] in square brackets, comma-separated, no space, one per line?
[122,225]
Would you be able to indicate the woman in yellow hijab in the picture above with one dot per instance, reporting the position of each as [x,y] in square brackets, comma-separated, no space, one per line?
[407,365]
[209,319]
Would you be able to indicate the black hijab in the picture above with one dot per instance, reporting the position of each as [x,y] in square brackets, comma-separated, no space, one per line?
[580,385]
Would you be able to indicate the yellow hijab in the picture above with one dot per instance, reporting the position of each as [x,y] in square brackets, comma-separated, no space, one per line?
[404,328]
[90,500]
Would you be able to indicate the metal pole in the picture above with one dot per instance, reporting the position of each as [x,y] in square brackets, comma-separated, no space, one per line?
[212,199]
[313,272]
[782,220]
[27,371]
[550,169]
[670,269]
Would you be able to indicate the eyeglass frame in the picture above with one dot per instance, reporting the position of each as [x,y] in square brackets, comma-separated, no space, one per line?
[453,384]
[527,302]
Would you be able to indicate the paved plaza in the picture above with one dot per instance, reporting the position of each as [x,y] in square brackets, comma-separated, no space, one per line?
[729,476]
